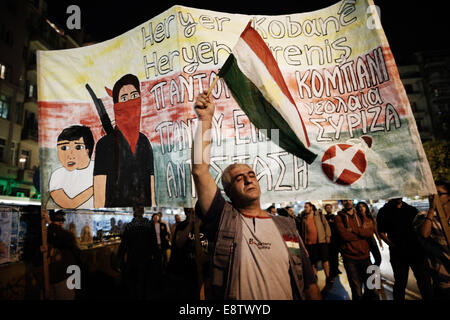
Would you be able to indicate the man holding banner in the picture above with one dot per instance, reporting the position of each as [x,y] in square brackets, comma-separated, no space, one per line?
[256,256]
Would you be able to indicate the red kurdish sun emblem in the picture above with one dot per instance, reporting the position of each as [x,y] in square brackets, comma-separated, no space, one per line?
[345,163]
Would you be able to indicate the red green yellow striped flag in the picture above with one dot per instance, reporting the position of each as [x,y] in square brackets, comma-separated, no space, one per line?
[256,83]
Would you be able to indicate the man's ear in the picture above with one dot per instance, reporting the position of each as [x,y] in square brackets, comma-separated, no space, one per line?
[227,191]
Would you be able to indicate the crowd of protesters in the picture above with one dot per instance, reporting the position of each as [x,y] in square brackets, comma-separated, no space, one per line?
[351,234]
[416,241]
[157,261]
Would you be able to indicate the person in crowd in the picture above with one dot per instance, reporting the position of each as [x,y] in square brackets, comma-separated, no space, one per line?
[290,211]
[114,230]
[137,246]
[432,237]
[86,235]
[333,248]
[316,234]
[63,251]
[256,255]
[372,216]
[173,226]
[160,219]
[354,230]
[120,226]
[99,235]
[272,210]
[73,228]
[395,225]
[3,247]
[182,266]
[363,210]
[283,212]
[161,239]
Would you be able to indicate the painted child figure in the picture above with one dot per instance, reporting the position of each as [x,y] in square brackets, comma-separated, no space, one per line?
[72,185]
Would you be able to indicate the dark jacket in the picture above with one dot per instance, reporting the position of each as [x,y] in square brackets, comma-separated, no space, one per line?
[136,242]
[164,235]
[323,237]
[354,230]
[397,223]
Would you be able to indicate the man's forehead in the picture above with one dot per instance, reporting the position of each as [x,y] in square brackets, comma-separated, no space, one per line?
[239,169]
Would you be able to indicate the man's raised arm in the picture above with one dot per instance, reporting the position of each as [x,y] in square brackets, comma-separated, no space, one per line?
[204,182]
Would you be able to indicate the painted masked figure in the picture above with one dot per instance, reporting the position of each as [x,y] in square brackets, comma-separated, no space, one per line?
[123,172]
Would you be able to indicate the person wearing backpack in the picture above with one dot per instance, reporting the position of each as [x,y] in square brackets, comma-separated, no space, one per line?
[354,230]
[316,234]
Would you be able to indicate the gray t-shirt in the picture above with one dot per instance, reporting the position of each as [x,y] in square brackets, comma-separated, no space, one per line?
[264,269]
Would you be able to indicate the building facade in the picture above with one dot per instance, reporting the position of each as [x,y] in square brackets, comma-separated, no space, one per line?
[24,29]
[427,84]
[414,86]
[435,69]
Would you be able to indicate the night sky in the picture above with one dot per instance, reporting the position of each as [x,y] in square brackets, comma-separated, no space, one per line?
[410,26]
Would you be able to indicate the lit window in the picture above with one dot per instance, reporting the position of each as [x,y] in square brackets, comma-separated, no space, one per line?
[30,91]
[4,106]
[5,71]
[24,160]
[2,71]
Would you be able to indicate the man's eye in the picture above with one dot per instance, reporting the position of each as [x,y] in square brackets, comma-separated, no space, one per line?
[65,148]
[79,147]
[123,98]
[134,95]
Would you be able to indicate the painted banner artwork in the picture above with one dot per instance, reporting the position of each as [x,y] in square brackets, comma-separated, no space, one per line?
[116,118]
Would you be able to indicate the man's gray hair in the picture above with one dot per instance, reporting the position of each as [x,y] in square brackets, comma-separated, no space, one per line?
[226,177]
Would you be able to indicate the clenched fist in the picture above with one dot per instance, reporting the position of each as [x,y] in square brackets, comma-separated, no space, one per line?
[204,107]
